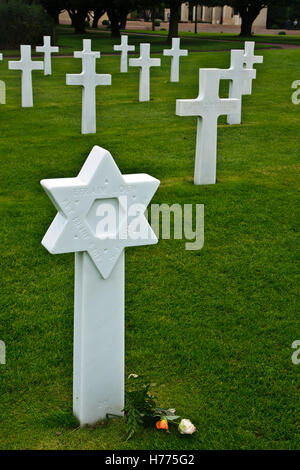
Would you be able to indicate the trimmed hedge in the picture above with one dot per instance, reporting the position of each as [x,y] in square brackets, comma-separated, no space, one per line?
[21,23]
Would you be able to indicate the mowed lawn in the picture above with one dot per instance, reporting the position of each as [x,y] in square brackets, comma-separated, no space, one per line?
[203,35]
[212,328]
[102,40]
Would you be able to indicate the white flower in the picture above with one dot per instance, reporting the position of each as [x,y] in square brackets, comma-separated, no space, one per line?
[186,427]
[134,376]
[172,411]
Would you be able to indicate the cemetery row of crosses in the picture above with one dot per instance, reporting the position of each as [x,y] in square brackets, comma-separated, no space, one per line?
[207,106]
[98,377]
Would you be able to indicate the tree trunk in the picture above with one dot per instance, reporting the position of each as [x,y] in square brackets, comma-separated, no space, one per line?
[54,13]
[98,12]
[196,18]
[248,15]
[115,27]
[123,21]
[153,18]
[71,15]
[56,17]
[78,19]
[174,19]
[79,24]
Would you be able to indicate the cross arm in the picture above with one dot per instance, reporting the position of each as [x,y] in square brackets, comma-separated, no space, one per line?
[155,63]
[189,107]
[74,79]
[228,106]
[249,53]
[14,65]
[137,62]
[37,65]
[104,79]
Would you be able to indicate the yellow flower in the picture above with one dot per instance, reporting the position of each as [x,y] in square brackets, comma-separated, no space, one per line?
[162,424]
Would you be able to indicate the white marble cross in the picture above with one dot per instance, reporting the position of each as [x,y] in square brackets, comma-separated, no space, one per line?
[87,49]
[249,60]
[175,53]
[144,62]
[124,48]
[26,65]
[2,87]
[207,107]
[100,212]
[88,79]
[239,78]
[47,50]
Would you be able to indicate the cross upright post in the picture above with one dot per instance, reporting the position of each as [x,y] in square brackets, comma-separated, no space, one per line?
[239,78]
[175,53]
[26,65]
[100,212]
[2,87]
[89,80]
[124,48]
[47,50]
[207,107]
[249,60]
[87,49]
[144,62]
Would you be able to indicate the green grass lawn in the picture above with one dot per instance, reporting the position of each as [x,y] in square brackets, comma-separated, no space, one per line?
[68,42]
[213,328]
[267,38]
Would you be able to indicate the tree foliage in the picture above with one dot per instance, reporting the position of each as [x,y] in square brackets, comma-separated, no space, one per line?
[53,8]
[22,23]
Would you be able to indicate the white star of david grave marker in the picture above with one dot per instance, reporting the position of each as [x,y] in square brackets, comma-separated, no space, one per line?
[239,76]
[124,48]
[88,79]
[144,62]
[175,53]
[26,65]
[249,60]
[100,212]
[87,49]
[207,107]
[47,50]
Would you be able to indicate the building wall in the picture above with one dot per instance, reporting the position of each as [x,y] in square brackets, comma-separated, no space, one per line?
[219,15]
[230,18]
[184,12]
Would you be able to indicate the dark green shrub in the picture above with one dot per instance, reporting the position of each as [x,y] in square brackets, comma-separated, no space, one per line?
[156,22]
[282,33]
[105,22]
[21,23]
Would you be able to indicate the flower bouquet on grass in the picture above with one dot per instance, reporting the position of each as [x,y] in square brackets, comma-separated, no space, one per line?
[141,410]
